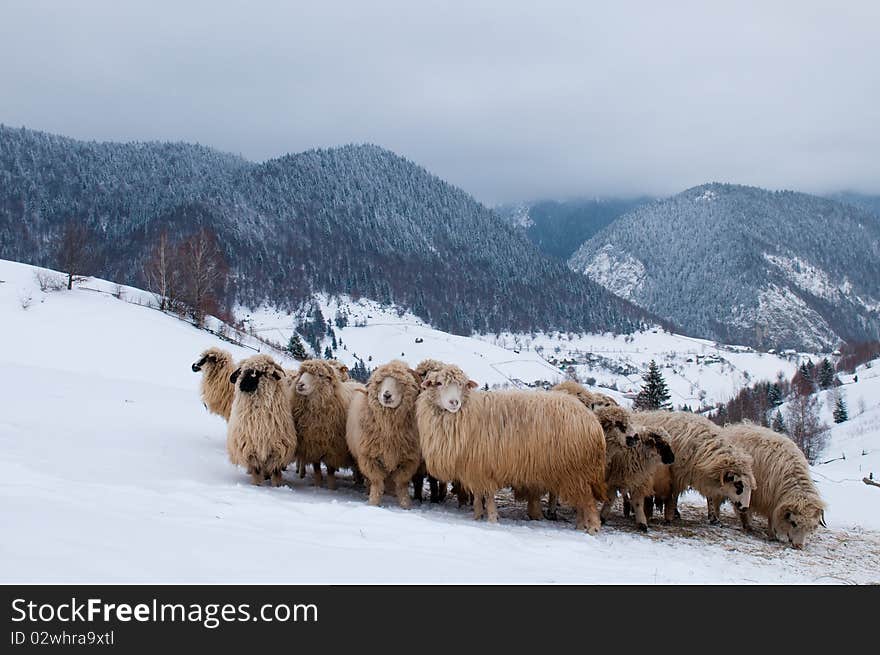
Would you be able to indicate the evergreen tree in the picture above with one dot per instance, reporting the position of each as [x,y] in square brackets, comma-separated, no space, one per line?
[826,374]
[328,354]
[774,395]
[778,424]
[654,393]
[296,348]
[840,413]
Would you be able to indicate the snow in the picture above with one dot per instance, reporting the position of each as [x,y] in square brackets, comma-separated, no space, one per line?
[112,471]
[619,272]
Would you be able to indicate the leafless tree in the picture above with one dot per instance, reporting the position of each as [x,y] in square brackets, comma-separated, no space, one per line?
[205,273]
[74,255]
[162,273]
[804,426]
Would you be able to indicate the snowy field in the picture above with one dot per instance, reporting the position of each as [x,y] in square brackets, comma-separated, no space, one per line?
[112,471]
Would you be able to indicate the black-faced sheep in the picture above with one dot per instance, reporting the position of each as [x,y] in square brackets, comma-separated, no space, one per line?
[319,405]
[381,430]
[216,365]
[704,461]
[785,493]
[490,440]
[631,469]
[261,436]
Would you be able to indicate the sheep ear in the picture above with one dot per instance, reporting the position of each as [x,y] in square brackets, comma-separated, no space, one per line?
[234,377]
[427,384]
[275,375]
[472,385]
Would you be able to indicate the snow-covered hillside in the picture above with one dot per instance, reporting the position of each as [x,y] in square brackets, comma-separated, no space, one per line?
[699,372]
[112,471]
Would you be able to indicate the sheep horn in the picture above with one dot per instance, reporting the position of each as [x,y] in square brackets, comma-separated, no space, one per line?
[822,519]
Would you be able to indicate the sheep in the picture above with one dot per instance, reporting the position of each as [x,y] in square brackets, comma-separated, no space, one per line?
[437,488]
[785,493]
[592,399]
[704,461]
[488,440]
[319,404]
[261,435]
[630,470]
[341,369]
[216,365]
[381,430]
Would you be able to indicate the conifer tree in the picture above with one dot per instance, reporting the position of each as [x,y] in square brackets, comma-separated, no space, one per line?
[654,393]
[296,348]
[778,424]
[840,413]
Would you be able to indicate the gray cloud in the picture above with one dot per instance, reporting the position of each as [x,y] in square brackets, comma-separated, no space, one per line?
[507,100]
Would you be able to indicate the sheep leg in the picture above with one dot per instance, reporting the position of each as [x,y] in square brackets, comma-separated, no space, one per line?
[627,506]
[607,506]
[638,506]
[256,477]
[670,507]
[551,506]
[534,507]
[301,468]
[401,484]
[714,510]
[317,478]
[587,517]
[418,481]
[331,478]
[478,507]
[460,493]
[491,509]
[746,519]
[649,506]
[442,489]
[276,478]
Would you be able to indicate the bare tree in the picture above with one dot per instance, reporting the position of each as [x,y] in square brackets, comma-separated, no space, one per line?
[74,255]
[204,273]
[804,426]
[162,273]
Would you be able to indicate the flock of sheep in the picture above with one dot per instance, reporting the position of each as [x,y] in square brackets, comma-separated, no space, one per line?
[578,446]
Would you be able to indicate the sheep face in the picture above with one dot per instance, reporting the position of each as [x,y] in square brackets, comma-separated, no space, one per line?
[313,374]
[796,524]
[450,388]
[389,393]
[656,442]
[254,370]
[210,358]
[306,383]
[617,426]
[737,489]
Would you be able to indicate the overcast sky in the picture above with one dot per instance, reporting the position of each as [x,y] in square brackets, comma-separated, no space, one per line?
[508,100]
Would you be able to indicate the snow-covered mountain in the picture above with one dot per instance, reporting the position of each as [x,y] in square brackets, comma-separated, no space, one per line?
[356,219]
[112,471]
[745,265]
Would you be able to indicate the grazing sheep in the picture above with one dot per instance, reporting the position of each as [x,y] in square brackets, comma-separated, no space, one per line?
[489,440]
[261,435]
[216,365]
[704,461]
[381,430]
[592,399]
[785,493]
[319,405]
[630,470]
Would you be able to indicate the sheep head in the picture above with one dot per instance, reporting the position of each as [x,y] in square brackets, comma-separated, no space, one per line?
[590,399]
[211,358]
[616,425]
[449,388]
[315,374]
[393,383]
[796,521]
[252,371]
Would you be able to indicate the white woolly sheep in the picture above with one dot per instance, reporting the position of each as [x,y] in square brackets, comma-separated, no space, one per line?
[319,405]
[785,493]
[489,440]
[261,435]
[704,461]
[216,365]
[381,430]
